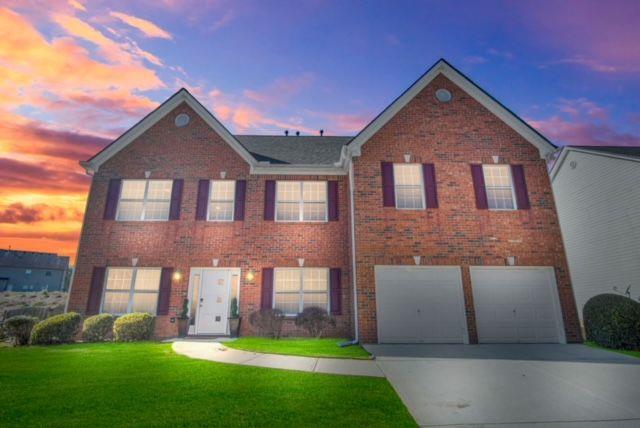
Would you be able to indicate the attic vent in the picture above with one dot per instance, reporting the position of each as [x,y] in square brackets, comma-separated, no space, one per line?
[443,95]
[182,120]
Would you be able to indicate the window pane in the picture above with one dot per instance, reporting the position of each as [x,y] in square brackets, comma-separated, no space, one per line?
[314,211]
[287,211]
[409,197]
[223,190]
[407,174]
[145,302]
[160,189]
[157,211]
[497,175]
[500,198]
[287,280]
[314,191]
[315,280]
[288,191]
[115,302]
[132,189]
[315,299]
[119,279]
[148,279]
[287,303]
[129,210]
[221,211]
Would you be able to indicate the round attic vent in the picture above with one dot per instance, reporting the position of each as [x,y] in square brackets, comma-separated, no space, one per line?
[182,120]
[443,95]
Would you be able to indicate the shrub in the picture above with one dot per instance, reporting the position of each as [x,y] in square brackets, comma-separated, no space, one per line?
[19,328]
[98,328]
[612,321]
[268,322]
[315,320]
[56,329]
[133,327]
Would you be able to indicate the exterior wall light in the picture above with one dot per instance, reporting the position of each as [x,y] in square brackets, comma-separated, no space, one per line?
[177,275]
[250,275]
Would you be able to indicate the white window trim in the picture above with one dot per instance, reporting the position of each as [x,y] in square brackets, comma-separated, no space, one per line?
[301,202]
[132,290]
[145,200]
[512,186]
[210,200]
[300,291]
[395,187]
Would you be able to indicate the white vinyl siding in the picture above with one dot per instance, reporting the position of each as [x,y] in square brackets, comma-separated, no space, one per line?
[222,195]
[131,290]
[409,186]
[301,201]
[299,288]
[144,200]
[499,187]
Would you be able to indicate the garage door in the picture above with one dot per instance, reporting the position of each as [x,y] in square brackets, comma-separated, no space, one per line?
[516,305]
[420,304]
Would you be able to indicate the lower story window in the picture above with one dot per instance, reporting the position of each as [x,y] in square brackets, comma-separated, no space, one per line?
[299,288]
[131,290]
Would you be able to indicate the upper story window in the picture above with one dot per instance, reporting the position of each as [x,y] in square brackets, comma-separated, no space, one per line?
[144,200]
[131,290]
[409,186]
[499,187]
[301,201]
[299,288]
[221,200]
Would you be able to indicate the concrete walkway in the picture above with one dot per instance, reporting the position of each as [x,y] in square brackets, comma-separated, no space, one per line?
[215,351]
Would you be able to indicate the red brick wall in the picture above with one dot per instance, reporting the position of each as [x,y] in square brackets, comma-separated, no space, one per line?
[452,136]
[196,152]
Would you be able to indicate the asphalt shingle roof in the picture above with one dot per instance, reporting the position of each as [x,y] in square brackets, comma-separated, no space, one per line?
[300,150]
[618,150]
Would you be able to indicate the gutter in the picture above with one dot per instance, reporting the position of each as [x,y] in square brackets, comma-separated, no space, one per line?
[353,258]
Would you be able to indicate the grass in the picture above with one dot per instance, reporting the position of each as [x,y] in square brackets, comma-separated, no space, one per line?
[620,351]
[302,346]
[147,384]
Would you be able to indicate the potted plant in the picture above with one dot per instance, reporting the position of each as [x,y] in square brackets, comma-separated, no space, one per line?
[183,319]
[234,319]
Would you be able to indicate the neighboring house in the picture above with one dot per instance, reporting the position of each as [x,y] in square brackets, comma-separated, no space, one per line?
[438,216]
[598,197]
[31,271]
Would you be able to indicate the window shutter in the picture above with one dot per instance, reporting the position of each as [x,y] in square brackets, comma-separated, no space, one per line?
[478,185]
[95,291]
[176,199]
[520,184]
[267,288]
[241,193]
[430,190]
[164,295]
[113,194]
[269,199]
[388,190]
[333,200]
[335,286]
[203,200]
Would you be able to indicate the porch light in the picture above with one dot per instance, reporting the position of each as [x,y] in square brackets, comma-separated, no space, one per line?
[177,275]
[250,275]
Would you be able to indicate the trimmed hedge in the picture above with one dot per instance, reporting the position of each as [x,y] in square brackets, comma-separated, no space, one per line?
[268,322]
[612,321]
[56,329]
[98,328]
[19,328]
[133,327]
[315,320]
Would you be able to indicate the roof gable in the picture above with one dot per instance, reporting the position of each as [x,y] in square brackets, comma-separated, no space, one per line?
[494,106]
[626,153]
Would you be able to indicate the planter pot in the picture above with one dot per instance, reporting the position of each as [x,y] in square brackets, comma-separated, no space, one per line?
[234,326]
[183,327]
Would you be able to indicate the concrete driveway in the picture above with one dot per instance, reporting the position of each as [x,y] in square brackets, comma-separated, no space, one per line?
[514,385]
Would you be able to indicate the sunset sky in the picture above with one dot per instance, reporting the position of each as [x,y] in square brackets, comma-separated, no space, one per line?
[76,74]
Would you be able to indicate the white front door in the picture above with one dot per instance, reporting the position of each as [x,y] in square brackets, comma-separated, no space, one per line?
[213,303]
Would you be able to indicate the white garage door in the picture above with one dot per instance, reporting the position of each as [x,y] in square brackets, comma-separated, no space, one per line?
[516,305]
[420,304]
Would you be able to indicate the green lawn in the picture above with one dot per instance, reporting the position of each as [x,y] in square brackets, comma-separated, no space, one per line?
[621,351]
[147,384]
[300,346]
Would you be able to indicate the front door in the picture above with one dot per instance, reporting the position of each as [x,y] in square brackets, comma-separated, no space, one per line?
[213,304]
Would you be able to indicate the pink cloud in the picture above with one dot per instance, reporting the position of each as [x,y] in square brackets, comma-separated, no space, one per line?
[566,132]
[281,90]
[20,213]
[147,28]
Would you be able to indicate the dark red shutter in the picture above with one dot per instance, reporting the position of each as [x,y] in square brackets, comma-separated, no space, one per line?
[95,292]
[269,199]
[164,296]
[335,286]
[267,288]
[203,200]
[388,189]
[113,194]
[176,199]
[333,200]
[430,190]
[478,185]
[520,184]
[241,193]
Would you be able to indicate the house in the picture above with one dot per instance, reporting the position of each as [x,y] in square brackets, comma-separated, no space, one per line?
[435,224]
[33,271]
[598,200]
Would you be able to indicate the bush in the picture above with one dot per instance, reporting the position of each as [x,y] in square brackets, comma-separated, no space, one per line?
[268,322]
[315,320]
[613,321]
[98,328]
[18,328]
[56,329]
[133,327]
